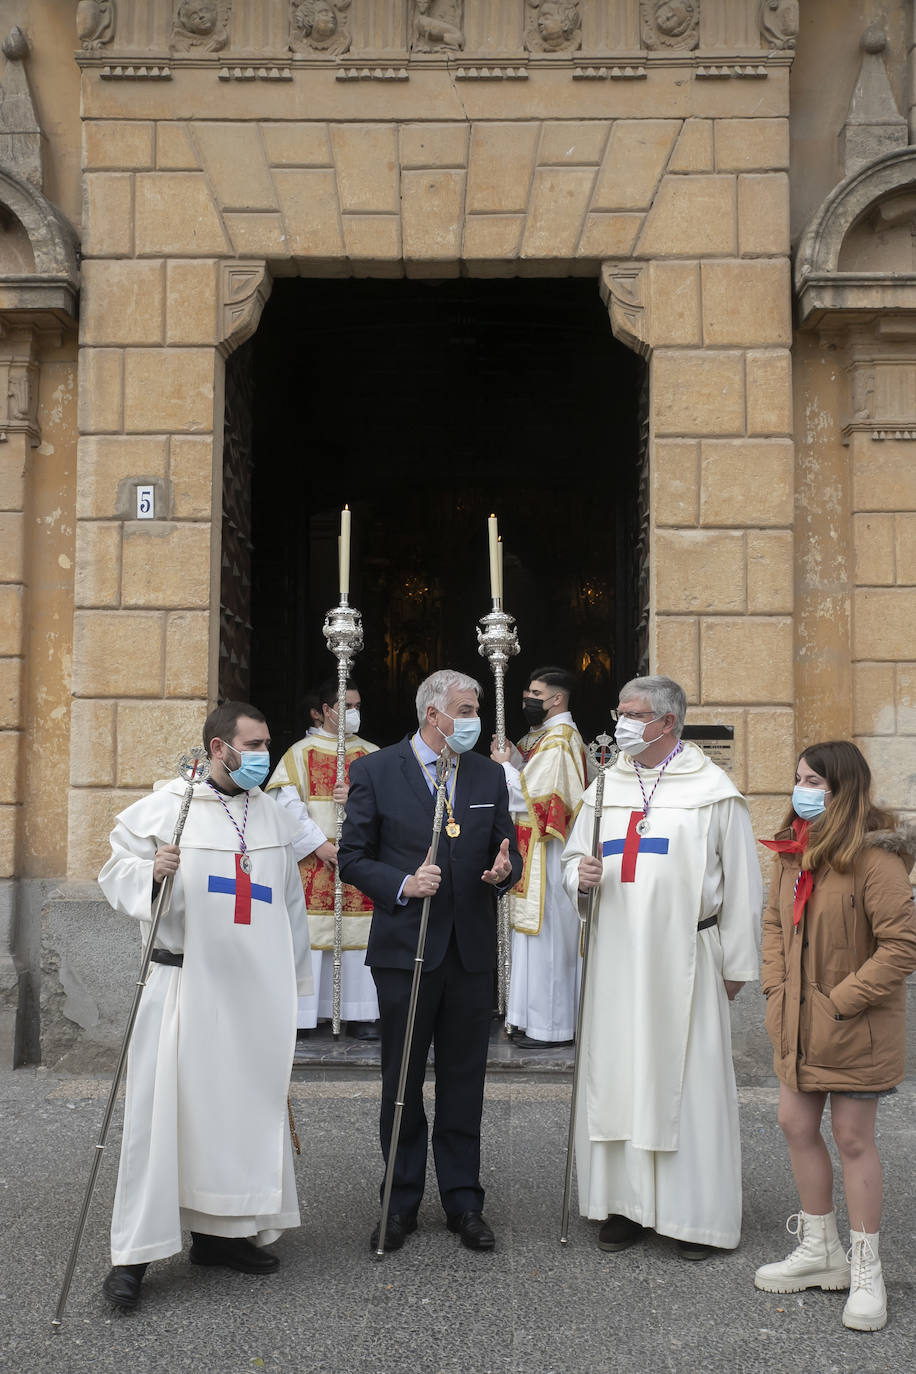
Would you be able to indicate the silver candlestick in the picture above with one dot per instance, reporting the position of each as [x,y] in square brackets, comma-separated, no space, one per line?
[343,631]
[497,640]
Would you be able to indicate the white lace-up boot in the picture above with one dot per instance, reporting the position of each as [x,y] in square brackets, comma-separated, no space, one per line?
[818,1261]
[866,1306]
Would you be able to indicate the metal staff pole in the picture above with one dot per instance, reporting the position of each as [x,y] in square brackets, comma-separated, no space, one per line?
[441,775]
[497,640]
[194,768]
[602,752]
[343,631]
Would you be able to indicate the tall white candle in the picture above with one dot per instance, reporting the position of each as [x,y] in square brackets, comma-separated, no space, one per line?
[501,546]
[493,533]
[344,547]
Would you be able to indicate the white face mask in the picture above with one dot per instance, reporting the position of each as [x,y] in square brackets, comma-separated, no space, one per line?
[629,735]
[351,720]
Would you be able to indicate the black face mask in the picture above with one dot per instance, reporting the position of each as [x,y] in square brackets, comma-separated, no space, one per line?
[534,711]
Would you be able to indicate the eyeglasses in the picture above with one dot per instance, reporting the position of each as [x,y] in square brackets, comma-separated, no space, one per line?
[631,715]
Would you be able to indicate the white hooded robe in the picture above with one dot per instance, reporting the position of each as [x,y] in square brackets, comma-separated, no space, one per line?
[206,1139]
[657,1136]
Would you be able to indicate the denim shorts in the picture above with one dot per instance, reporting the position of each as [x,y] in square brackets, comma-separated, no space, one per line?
[863,1097]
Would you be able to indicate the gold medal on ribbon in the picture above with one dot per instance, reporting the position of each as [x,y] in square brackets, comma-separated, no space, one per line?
[453,829]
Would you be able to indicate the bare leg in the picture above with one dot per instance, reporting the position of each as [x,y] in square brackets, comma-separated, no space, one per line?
[800,1118]
[853,1121]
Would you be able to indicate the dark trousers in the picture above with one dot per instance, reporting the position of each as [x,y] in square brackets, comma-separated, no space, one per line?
[453,1013]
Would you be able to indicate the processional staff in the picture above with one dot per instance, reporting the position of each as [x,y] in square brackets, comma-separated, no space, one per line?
[497,639]
[343,631]
[442,764]
[601,752]
[193,768]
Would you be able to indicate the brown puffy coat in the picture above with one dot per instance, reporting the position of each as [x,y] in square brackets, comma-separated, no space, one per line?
[835,986]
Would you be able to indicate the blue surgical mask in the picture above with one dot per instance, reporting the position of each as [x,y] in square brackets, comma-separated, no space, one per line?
[809,802]
[253,768]
[465,732]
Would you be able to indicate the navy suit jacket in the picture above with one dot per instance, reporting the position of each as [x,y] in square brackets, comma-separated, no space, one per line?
[386,835]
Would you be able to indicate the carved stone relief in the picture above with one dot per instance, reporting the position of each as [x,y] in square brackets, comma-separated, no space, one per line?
[670,23]
[201,26]
[779,22]
[319,26]
[436,26]
[20,133]
[554,26]
[95,23]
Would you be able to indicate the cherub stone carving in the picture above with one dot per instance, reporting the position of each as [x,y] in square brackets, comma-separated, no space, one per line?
[319,26]
[670,23]
[95,23]
[779,22]
[555,26]
[436,26]
[201,26]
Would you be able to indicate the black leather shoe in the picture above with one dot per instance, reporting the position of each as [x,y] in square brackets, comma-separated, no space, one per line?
[122,1284]
[399,1227]
[693,1250]
[619,1233]
[474,1232]
[363,1030]
[525,1042]
[232,1252]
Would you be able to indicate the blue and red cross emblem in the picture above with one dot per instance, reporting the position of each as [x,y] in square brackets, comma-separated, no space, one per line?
[244,891]
[634,845]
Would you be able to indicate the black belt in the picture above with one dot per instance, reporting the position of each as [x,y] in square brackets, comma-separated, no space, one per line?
[165,956]
[710,921]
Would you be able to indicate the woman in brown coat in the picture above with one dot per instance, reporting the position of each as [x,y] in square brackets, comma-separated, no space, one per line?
[839,938]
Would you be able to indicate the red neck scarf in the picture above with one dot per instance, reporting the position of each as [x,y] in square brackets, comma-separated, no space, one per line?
[804,883]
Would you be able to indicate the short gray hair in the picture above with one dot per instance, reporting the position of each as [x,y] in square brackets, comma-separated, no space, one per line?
[436,689]
[664,695]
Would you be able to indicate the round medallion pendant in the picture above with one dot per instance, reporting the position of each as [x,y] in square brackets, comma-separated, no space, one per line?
[642,827]
[453,829]
[245,863]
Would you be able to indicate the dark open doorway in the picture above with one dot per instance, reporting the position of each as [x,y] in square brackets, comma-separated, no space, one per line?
[424,406]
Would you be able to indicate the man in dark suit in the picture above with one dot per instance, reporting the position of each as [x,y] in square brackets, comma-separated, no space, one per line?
[385,837]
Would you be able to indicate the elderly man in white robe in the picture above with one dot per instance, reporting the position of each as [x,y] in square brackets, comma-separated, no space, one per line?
[206,1141]
[676,936]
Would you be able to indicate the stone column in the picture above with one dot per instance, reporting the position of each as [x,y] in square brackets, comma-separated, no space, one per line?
[712,311]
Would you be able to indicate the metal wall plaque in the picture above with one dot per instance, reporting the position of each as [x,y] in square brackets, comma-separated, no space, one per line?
[717,743]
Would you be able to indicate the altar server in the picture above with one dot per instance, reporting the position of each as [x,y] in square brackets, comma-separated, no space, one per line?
[206,1143]
[676,937]
[304,781]
[545,776]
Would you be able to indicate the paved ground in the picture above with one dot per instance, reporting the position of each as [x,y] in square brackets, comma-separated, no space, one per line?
[434,1308]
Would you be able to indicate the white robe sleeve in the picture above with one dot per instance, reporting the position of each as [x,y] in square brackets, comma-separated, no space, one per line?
[578,845]
[311,836]
[742,892]
[298,924]
[127,877]
[514,783]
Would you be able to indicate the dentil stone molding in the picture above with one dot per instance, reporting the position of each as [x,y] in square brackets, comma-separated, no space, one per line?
[95,23]
[200,27]
[436,26]
[554,26]
[318,26]
[670,24]
[244,290]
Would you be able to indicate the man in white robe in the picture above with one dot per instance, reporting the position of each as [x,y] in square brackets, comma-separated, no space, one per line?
[675,937]
[545,775]
[304,781]
[206,1137]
